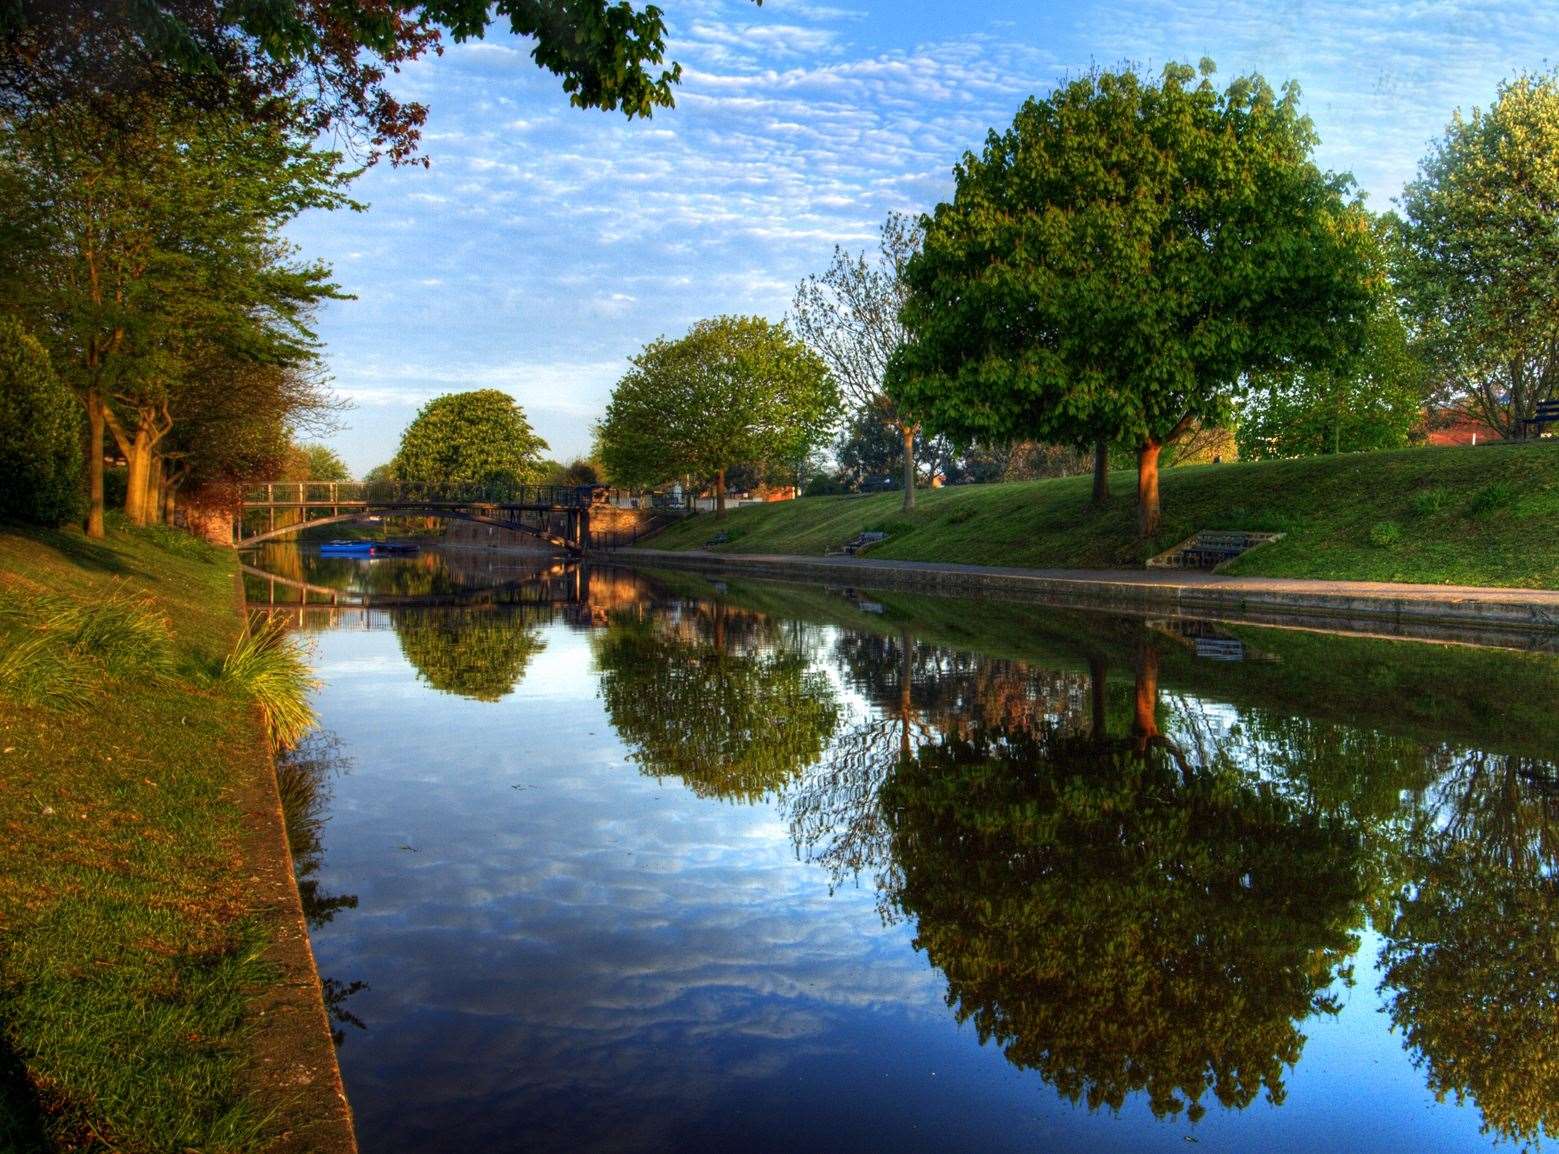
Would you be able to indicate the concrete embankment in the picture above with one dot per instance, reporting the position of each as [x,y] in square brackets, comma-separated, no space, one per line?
[1437,611]
[294,1054]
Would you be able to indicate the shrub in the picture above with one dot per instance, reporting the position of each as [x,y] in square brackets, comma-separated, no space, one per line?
[1429,502]
[40,434]
[1491,498]
[1385,534]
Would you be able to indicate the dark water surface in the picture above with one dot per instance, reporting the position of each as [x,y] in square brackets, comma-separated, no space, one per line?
[617,862]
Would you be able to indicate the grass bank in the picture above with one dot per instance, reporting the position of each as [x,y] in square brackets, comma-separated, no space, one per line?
[1463,516]
[130,948]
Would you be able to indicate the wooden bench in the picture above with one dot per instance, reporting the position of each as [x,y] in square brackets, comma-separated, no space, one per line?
[1547,414]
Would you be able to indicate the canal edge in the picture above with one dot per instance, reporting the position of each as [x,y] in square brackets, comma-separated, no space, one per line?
[297,1077]
[1530,622]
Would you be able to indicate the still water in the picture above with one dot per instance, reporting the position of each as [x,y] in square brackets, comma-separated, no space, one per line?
[632,862]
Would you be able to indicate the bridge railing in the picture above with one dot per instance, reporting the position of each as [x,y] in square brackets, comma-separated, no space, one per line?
[333,494]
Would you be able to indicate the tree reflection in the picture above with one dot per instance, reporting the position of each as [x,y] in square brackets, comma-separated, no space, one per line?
[477,653]
[303,776]
[723,700]
[1112,898]
[1471,960]
[1118,915]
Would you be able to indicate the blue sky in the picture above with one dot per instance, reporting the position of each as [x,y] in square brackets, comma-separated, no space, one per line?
[547,244]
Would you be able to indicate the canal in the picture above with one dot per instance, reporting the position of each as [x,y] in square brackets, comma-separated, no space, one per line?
[631,861]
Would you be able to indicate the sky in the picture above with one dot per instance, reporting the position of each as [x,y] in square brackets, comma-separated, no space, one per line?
[546,244]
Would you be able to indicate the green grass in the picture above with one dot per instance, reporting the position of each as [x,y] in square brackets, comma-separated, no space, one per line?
[127,953]
[1468,516]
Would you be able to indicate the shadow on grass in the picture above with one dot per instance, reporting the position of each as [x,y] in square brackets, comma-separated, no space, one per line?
[86,553]
[21,1113]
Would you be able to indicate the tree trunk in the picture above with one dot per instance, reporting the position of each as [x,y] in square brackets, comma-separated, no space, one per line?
[906,686]
[153,504]
[94,464]
[1101,472]
[720,495]
[1147,488]
[170,501]
[1144,726]
[907,431]
[138,459]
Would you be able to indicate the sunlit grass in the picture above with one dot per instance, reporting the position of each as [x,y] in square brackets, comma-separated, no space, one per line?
[127,948]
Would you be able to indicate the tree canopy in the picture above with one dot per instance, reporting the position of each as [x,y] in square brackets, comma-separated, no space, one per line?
[733,391]
[1114,264]
[1479,255]
[332,62]
[475,440]
[40,433]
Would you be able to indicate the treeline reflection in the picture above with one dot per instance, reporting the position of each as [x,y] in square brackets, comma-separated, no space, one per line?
[1129,884]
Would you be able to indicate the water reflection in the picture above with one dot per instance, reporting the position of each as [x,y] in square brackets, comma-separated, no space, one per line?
[303,775]
[474,653]
[725,700]
[1142,872]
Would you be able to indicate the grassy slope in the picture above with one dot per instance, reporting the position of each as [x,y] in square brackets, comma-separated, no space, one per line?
[126,953]
[1473,516]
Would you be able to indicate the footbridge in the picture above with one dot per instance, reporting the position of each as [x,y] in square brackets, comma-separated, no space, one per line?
[557,514]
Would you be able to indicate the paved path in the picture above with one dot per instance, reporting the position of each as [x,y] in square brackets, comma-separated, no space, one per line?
[1190,590]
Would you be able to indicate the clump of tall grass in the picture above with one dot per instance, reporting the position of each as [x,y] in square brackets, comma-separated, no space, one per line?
[125,632]
[35,670]
[57,649]
[271,668]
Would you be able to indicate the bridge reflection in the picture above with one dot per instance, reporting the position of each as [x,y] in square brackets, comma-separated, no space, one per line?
[296,586]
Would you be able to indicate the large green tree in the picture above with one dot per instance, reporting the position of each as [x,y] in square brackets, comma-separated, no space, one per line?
[1115,264]
[475,440]
[733,391]
[337,57]
[1479,259]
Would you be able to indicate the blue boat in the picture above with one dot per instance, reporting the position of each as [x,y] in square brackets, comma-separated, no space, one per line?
[365,549]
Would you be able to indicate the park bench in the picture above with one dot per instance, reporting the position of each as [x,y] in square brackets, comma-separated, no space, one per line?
[718,539]
[858,544]
[1547,414]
